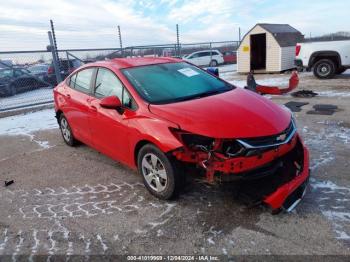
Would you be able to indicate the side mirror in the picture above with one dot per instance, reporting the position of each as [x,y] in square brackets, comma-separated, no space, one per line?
[111,102]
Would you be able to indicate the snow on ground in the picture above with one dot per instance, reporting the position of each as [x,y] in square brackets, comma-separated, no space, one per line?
[334,202]
[331,93]
[36,96]
[227,68]
[26,124]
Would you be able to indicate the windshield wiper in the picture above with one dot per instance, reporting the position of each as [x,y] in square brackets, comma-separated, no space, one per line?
[200,95]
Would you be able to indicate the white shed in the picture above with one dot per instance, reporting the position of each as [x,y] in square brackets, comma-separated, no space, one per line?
[268,48]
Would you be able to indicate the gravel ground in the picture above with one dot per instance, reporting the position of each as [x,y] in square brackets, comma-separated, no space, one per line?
[76,201]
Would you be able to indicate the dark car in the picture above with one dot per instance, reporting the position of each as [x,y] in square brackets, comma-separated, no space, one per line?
[40,70]
[66,67]
[16,80]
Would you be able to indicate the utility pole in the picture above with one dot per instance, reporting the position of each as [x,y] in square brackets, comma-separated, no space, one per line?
[54,58]
[54,41]
[120,41]
[178,40]
[239,34]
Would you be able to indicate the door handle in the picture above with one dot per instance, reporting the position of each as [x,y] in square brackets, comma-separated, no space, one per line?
[68,96]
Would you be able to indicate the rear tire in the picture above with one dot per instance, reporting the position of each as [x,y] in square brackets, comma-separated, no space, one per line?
[66,131]
[213,63]
[161,176]
[324,69]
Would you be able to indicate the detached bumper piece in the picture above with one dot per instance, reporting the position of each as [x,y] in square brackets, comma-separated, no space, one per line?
[272,90]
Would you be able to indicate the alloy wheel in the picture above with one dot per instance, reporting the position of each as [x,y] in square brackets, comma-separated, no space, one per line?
[154,172]
[65,130]
[324,69]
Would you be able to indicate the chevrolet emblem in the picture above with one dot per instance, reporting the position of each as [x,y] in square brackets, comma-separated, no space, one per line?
[281,137]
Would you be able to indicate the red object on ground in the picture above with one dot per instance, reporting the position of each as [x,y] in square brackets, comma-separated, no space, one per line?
[248,134]
[274,90]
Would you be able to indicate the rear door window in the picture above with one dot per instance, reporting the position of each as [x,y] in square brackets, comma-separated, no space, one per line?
[204,54]
[83,80]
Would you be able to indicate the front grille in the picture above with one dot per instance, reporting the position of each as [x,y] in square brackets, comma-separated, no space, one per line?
[269,141]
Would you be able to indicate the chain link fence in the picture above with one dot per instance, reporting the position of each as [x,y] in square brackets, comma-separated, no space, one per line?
[23,79]
[28,77]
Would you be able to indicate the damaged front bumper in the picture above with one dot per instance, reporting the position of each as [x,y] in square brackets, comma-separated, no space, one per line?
[276,176]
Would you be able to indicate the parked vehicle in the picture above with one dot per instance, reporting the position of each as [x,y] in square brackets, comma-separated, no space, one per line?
[40,70]
[16,80]
[66,67]
[160,115]
[230,57]
[325,59]
[205,58]
[5,63]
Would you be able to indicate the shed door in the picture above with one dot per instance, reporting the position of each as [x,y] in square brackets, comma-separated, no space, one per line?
[257,51]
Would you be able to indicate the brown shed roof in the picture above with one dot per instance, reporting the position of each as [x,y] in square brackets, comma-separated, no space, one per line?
[284,34]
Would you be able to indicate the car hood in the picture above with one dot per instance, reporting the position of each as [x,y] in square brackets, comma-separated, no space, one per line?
[237,113]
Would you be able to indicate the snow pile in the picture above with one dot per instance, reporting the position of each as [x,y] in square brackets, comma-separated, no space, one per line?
[26,124]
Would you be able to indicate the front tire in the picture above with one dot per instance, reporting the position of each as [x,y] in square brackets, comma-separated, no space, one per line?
[324,69]
[161,176]
[66,131]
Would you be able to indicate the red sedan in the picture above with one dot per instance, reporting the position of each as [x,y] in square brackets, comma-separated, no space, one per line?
[159,115]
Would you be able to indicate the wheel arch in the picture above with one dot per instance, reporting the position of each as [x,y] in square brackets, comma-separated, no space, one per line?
[59,112]
[164,147]
[139,145]
[332,55]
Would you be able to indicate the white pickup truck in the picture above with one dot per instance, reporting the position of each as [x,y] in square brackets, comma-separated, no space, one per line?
[326,59]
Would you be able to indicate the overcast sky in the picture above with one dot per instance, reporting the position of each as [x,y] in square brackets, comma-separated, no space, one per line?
[86,23]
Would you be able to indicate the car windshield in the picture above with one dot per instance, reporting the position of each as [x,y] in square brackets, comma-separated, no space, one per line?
[173,82]
[5,72]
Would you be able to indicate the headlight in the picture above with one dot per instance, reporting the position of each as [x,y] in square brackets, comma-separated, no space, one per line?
[193,141]
[230,148]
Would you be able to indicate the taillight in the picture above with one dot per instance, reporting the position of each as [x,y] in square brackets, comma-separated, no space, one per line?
[50,70]
[297,50]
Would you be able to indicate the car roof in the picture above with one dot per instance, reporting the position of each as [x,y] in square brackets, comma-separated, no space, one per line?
[212,50]
[120,63]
